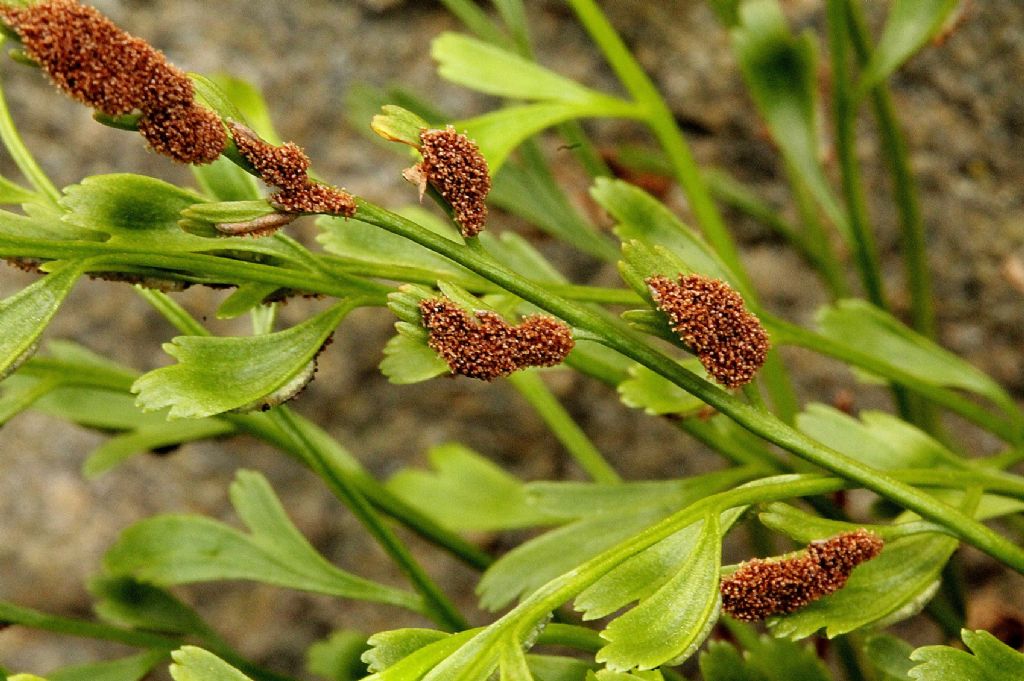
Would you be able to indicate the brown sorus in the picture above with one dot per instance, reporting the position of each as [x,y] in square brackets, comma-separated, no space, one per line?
[453,165]
[485,346]
[188,134]
[711,319]
[761,588]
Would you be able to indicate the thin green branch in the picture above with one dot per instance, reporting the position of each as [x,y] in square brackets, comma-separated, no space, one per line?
[532,388]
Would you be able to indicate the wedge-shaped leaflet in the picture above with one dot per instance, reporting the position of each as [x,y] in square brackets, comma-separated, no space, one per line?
[407,357]
[657,395]
[992,660]
[179,549]
[888,588]
[639,216]
[866,330]
[126,669]
[877,439]
[196,664]
[911,23]
[781,73]
[409,654]
[468,492]
[487,68]
[669,625]
[214,374]
[25,315]
[765,659]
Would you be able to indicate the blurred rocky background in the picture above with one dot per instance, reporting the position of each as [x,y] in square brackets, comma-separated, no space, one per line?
[963,108]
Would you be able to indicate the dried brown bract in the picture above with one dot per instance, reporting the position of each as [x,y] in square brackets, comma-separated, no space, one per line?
[286,166]
[88,57]
[710,317]
[485,346]
[761,588]
[453,164]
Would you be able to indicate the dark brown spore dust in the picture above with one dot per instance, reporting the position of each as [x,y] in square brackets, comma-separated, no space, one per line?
[712,320]
[453,164]
[91,59]
[485,346]
[761,588]
[285,166]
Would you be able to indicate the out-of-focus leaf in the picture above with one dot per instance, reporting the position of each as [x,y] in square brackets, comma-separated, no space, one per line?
[889,657]
[176,549]
[669,625]
[767,660]
[25,315]
[468,492]
[216,374]
[13,193]
[126,669]
[656,395]
[196,664]
[910,25]
[866,329]
[992,660]
[338,658]
[117,449]
[224,181]
[130,603]
[244,298]
[396,124]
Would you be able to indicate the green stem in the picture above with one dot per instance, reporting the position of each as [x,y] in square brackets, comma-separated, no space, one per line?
[764,425]
[22,156]
[438,606]
[532,388]
[817,235]
[845,119]
[908,206]
[13,614]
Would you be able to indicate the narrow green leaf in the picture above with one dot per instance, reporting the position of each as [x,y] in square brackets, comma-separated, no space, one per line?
[196,664]
[396,124]
[486,68]
[117,449]
[467,492]
[126,669]
[889,657]
[25,315]
[868,330]
[244,299]
[175,549]
[668,626]
[911,23]
[214,374]
[130,603]
[513,665]
[26,677]
[13,193]
[992,660]
[339,657]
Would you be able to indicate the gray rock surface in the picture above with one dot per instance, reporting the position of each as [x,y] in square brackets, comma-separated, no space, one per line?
[964,111]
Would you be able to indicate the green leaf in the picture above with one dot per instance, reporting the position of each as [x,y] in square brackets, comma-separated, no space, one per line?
[992,660]
[657,395]
[888,588]
[245,298]
[868,330]
[214,374]
[468,492]
[520,256]
[639,216]
[13,193]
[130,603]
[126,669]
[408,359]
[26,677]
[766,659]
[397,656]
[175,549]
[396,124]
[879,440]
[196,664]
[911,23]
[889,657]
[780,70]
[500,132]
[512,665]
[339,657]
[556,668]
[222,180]
[486,68]
[639,577]
[669,625]
[117,449]
[25,315]
[247,100]
[387,648]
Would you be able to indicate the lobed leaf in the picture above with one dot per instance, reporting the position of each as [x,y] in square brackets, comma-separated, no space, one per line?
[195,664]
[176,549]
[217,374]
[992,660]
[669,625]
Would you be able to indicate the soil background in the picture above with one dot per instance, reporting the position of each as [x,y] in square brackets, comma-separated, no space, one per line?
[962,104]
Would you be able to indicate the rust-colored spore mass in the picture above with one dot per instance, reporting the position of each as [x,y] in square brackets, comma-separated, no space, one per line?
[761,588]
[286,167]
[91,59]
[710,317]
[453,164]
[487,347]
